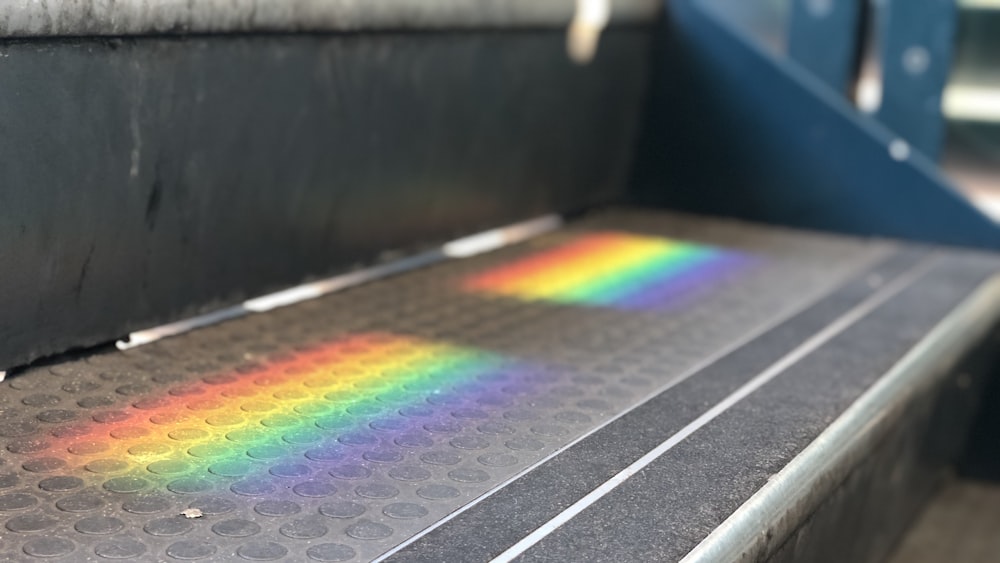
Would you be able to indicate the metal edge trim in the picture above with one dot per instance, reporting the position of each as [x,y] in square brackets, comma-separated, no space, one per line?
[144,17]
[766,520]
[461,248]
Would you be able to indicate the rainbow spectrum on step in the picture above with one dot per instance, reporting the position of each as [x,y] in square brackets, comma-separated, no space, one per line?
[291,422]
[612,269]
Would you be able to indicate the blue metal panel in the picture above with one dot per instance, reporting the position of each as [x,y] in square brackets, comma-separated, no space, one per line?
[917,44]
[735,131]
[823,36]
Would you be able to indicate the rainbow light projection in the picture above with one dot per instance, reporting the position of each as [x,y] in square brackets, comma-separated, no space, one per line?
[611,269]
[245,428]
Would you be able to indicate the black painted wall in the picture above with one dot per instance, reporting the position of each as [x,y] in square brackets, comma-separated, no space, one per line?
[146,180]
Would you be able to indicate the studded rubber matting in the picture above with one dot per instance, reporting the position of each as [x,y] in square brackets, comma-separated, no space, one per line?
[339,428]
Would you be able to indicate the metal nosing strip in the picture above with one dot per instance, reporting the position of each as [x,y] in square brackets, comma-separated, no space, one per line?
[460,248]
[811,475]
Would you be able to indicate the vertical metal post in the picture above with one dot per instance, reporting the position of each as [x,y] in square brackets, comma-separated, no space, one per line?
[823,36]
[917,45]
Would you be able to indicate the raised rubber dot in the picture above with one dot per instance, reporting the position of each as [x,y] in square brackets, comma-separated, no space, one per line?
[414,441]
[441,458]
[80,503]
[187,434]
[493,428]
[168,467]
[17,428]
[438,492]
[56,416]
[377,491]
[125,484]
[109,417]
[331,552]
[302,437]
[341,509]
[470,443]
[120,548]
[325,454]
[41,400]
[104,466]
[230,468]
[190,550]
[27,523]
[60,484]
[209,451]
[388,425]
[443,427]
[153,449]
[351,472]
[289,470]
[43,464]
[526,444]
[277,508]
[409,473]
[129,433]
[368,530]
[48,547]
[87,448]
[257,406]
[252,487]
[16,501]
[572,417]
[190,485]
[172,526]
[405,510]
[358,439]
[261,551]
[213,505]
[551,430]
[470,414]
[304,529]
[224,420]
[146,504]
[266,452]
[236,528]
[497,460]
[98,525]
[468,475]
[314,489]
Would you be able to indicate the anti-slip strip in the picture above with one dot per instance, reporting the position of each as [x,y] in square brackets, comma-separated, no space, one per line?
[583,468]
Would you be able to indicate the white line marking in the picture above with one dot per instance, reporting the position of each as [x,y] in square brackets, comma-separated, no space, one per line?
[498,238]
[700,365]
[148,335]
[775,369]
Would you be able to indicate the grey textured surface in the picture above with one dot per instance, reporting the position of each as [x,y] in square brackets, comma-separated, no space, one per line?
[102,454]
[150,180]
[960,524]
[131,17]
[514,512]
[720,466]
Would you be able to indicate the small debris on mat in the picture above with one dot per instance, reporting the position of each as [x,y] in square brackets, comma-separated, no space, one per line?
[191,513]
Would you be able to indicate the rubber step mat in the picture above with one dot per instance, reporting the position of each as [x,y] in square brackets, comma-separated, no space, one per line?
[340,428]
